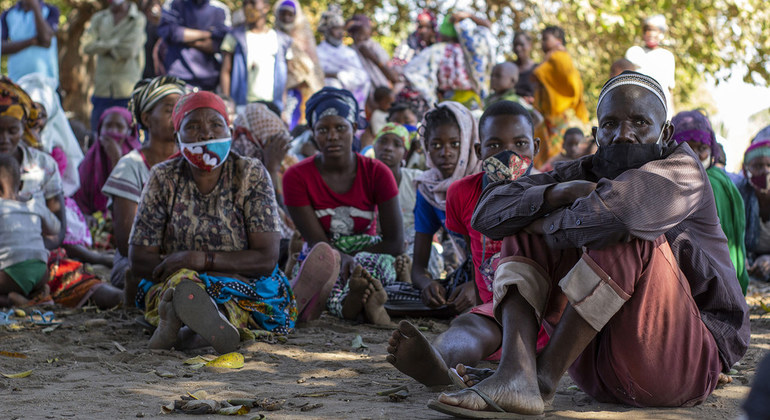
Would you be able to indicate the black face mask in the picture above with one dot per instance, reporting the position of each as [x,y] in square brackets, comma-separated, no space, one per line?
[614,159]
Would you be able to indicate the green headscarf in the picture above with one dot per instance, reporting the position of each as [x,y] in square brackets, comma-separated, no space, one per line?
[447,27]
[399,130]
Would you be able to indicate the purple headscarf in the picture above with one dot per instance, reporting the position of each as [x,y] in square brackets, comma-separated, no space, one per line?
[695,126]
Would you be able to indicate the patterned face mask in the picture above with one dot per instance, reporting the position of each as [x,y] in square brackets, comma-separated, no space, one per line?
[505,165]
[206,155]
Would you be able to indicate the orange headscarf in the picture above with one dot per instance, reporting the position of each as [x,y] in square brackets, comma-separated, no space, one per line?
[15,103]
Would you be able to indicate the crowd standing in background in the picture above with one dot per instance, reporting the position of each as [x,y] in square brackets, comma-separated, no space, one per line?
[243,177]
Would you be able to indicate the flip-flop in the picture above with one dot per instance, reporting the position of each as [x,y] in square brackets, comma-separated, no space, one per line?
[5,318]
[199,312]
[318,273]
[496,411]
[40,318]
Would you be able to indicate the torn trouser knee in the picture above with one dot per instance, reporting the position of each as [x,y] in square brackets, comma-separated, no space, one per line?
[592,293]
[530,281]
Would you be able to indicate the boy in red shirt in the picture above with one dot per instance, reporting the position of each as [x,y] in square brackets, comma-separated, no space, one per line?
[507,149]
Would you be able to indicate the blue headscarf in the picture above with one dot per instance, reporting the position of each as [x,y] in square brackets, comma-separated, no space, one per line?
[331,101]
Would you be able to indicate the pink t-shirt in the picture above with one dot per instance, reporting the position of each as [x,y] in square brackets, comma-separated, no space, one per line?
[460,203]
[353,212]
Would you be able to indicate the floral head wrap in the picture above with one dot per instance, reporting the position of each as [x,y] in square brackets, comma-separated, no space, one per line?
[398,130]
[15,103]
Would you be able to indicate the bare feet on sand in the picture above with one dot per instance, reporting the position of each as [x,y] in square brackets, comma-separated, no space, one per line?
[167,333]
[513,392]
[403,266]
[374,301]
[411,353]
[354,301]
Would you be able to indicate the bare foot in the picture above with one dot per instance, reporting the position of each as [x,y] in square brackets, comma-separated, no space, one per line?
[724,379]
[403,266]
[374,303]
[354,301]
[471,376]
[513,392]
[167,333]
[411,353]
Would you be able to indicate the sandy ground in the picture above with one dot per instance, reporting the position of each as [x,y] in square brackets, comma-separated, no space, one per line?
[97,365]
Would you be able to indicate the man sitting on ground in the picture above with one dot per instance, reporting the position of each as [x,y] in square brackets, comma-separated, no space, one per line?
[645,284]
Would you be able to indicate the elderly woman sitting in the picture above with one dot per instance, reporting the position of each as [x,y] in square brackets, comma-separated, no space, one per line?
[205,239]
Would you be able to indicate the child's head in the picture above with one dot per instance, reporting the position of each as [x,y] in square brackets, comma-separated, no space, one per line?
[506,125]
[391,145]
[10,177]
[401,113]
[441,136]
[552,38]
[621,65]
[383,98]
[504,77]
[573,138]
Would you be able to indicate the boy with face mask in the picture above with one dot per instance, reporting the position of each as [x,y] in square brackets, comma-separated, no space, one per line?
[507,148]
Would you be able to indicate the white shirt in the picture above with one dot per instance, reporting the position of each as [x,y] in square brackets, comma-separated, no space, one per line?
[658,64]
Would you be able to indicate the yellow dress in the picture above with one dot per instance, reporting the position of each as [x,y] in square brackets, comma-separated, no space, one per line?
[559,97]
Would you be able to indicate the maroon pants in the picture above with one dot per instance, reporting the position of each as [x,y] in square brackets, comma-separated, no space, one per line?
[655,350]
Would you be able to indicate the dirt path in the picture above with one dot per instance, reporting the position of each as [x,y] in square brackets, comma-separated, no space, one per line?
[80,372]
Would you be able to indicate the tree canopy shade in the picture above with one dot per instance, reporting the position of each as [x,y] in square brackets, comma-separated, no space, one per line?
[706,36]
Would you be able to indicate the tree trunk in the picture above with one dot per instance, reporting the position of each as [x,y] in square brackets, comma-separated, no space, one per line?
[75,68]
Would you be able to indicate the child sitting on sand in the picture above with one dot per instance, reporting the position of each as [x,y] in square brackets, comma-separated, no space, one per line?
[506,151]
[23,254]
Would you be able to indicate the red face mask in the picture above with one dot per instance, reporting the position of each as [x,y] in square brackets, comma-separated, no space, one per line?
[759,182]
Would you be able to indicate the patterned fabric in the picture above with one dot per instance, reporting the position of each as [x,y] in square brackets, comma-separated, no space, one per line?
[70,282]
[197,100]
[259,122]
[332,101]
[354,243]
[430,183]
[265,303]
[175,216]
[505,165]
[148,92]
[15,103]
[480,48]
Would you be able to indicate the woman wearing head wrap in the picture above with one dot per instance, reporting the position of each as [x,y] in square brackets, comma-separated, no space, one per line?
[304,76]
[39,172]
[335,198]
[56,137]
[755,190]
[341,65]
[457,68]
[694,128]
[206,233]
[151,106]
[116,136]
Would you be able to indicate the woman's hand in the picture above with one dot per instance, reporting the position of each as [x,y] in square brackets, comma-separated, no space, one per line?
[463,297]
[434,295]
[193,260]
[275,150]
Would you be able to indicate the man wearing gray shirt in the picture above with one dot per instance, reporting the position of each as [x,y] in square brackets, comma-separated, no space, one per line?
[621,257]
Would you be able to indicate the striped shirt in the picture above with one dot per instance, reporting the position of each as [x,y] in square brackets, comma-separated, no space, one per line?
[670,196]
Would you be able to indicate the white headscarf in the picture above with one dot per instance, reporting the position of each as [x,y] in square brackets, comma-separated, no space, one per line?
[57,131]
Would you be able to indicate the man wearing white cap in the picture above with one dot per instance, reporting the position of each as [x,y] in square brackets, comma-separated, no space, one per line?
[620,256]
